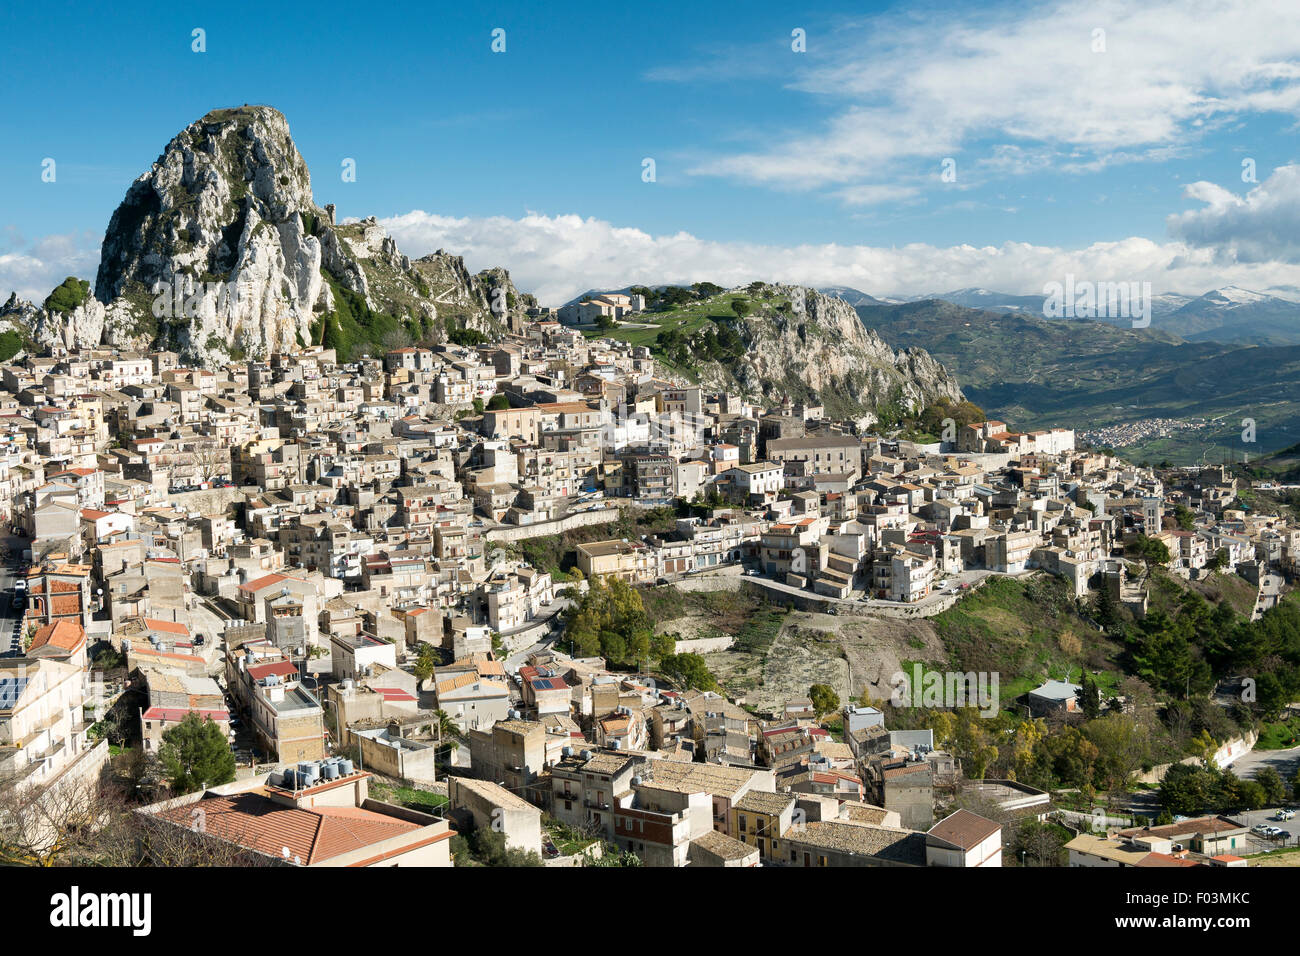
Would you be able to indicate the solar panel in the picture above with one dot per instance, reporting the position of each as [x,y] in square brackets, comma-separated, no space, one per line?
[11,688]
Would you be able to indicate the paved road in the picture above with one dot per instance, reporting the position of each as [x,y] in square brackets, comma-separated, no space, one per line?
[551,614]
[10,639]
[1285,762]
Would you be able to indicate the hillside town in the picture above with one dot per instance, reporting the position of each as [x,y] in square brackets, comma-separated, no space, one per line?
[330,564]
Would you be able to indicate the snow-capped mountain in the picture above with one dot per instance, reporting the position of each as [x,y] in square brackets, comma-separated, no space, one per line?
[1234,314]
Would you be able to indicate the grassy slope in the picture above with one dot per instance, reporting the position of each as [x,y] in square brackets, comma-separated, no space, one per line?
[1026,630]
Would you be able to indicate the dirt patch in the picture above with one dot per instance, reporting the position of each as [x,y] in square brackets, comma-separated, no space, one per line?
[691,627]
[849,654]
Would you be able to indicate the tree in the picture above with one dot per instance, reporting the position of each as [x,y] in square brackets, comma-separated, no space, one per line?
[425,663]
[498,402]
[447,732]
[69,294]
[612,621]
[1122,746]
[1151,551]
[1274,787]
[207,460]
[824,699]
[1186,789]
[196,755]
[662,645]
[1038,844]
[1091,698]
[485,846]
[688,671]
[1105,610]
[741,307]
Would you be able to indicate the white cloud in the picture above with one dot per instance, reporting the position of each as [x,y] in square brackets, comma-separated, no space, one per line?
[1259,227]
[871,194]
[1019,83]
[33,268]
[558,257]
[1247,241]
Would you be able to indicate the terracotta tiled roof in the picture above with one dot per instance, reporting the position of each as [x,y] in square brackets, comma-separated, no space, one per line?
[263,582]
[64,635]
[255,821]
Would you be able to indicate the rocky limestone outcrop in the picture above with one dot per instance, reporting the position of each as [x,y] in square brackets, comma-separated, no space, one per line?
[17,314]
[210,251]
[817,349]
[220,251]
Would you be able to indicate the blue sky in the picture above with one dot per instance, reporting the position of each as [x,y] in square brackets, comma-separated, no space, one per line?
[822,166]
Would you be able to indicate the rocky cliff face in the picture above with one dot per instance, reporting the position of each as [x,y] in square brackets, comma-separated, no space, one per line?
[220,251]
[802,345]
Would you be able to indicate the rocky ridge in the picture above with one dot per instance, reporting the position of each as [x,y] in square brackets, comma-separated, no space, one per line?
[220,252]
[816,348]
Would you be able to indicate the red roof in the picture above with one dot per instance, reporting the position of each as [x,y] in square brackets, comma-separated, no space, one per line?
[167,627]
[64,635]
[394,693]
[280,668]
[263,582]
[253,820]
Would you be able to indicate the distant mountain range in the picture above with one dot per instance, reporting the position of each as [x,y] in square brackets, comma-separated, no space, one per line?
[1230,314]
[1036,372]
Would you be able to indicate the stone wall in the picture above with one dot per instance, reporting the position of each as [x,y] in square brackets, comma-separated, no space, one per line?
[581,519]
[1223,757]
